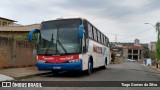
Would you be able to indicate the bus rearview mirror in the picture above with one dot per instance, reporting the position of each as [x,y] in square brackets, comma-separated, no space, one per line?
[30,37]
[80,32]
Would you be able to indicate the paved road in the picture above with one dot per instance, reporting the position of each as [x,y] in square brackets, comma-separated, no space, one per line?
[127,71]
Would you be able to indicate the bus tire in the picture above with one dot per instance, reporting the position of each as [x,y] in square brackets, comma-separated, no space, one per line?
[105,64]
[90,67]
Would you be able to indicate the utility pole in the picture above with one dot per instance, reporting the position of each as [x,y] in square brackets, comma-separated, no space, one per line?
[158,43]
[157,28]
[116,38]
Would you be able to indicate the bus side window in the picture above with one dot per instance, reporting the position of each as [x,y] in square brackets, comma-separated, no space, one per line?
[90,31]
[99,37]
[102,38]
[106,41]
[84,43]
[95,34]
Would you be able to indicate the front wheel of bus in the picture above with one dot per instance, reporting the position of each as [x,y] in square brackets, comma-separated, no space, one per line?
[90,67]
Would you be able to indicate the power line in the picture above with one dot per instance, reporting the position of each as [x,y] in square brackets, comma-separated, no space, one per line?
[131,36]
[137,10]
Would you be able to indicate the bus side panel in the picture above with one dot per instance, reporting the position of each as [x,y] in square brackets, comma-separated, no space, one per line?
[107,54]
[97,55]
[87,55]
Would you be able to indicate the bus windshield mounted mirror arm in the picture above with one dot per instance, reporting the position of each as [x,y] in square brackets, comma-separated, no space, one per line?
[80,31]
[30,37]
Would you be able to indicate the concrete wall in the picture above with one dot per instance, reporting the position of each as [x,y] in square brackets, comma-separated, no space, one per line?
[14,34]
[15,53]
[125,53]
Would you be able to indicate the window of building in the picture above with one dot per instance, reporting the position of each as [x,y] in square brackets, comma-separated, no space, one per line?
[135,57]
[135,51]
[129,56]
[4,23]
[129,51]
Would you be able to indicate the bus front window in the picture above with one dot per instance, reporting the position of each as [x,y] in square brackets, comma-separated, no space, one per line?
[69,39]
[59,38]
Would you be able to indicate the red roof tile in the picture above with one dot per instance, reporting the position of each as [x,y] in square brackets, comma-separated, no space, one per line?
[132,47]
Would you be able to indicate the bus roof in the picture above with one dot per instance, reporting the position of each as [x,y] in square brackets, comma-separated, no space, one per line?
[82,18]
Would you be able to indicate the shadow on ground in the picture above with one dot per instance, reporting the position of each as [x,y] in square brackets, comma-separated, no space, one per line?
[71,74]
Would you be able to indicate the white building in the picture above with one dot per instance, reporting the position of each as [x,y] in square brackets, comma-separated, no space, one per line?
[136,42]
[152,46]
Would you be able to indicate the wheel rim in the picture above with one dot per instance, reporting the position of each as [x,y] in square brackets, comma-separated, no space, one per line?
[90,67]
[106,62]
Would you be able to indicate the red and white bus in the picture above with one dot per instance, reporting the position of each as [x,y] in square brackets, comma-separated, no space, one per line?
[70,45]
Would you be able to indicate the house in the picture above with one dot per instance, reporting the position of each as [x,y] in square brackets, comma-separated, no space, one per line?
[8,31]
[8,28]
[134,52]
[6,22]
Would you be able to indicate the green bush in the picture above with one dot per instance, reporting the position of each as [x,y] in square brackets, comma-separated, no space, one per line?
[113,55]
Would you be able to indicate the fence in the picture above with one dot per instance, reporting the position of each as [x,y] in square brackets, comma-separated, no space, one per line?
[14,53]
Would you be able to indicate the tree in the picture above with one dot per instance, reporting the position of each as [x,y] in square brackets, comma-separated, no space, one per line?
[158,41]
[113,55]
[146,52]
[158,50]
[158,30]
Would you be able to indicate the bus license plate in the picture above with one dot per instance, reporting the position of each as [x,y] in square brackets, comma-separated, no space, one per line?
[56,67]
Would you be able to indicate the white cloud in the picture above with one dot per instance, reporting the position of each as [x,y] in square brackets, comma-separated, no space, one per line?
[134,3]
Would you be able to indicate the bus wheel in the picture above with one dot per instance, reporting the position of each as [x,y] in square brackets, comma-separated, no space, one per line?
[105,64]
[90,67]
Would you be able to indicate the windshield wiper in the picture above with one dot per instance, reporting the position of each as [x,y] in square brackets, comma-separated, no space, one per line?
[62,46]
[59,41]
[50,43]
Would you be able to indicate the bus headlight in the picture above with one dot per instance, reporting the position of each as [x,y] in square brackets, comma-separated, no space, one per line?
[73,61]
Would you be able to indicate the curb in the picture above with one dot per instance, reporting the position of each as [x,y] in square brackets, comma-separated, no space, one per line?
[157,69]
[29,76]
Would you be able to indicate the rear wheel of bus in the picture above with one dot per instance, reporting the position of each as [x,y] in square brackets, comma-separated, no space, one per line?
[105,64]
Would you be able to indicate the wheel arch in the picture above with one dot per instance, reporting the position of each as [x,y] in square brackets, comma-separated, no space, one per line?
[106,61]
[90,59]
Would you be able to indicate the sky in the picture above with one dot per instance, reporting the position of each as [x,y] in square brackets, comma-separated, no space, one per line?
[120,20]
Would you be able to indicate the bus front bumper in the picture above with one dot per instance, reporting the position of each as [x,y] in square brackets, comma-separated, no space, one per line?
[75,66]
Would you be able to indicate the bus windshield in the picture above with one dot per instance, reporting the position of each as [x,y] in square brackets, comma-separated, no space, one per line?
[59,37]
